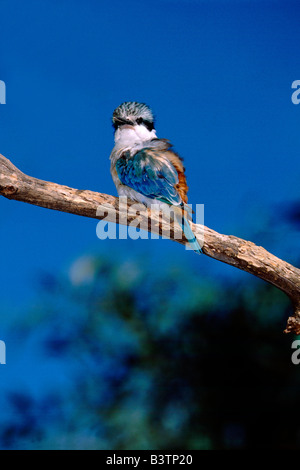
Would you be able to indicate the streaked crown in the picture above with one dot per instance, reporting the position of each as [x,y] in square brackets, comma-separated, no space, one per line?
[133,113]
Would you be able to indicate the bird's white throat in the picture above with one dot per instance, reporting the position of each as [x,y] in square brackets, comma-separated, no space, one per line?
[130,135]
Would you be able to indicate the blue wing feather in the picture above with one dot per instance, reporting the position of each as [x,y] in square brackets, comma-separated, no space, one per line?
[148,173]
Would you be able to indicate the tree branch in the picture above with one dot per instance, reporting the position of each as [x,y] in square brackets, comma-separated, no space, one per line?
[242,254]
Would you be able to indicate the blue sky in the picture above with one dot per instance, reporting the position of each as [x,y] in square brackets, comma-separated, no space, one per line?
[218,77]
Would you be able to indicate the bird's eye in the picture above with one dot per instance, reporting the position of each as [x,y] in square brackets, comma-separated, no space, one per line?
[149,125]
[139,120]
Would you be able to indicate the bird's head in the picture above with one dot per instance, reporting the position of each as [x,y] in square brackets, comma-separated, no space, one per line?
[133,114]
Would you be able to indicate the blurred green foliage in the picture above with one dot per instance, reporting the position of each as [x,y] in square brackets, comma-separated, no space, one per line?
[158,359]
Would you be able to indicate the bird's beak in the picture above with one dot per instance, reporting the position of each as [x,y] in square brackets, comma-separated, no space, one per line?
[122,122]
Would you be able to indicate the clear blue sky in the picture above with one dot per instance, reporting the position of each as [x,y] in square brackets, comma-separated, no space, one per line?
[218,76]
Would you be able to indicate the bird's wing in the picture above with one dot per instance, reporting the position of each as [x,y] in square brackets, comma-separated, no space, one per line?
[150,173]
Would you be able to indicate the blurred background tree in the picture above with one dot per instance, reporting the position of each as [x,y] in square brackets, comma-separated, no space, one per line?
[147,358]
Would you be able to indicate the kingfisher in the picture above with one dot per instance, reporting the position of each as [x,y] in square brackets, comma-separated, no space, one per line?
[145,168]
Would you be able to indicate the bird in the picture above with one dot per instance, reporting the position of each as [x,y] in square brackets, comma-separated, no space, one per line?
[145,168]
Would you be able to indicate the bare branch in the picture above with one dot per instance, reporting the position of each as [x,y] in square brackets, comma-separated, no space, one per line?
[242,254]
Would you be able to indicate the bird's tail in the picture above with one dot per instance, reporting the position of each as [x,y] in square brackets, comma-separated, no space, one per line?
[182,216]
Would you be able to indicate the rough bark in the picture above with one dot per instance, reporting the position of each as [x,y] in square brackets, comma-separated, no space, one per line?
[229,249]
